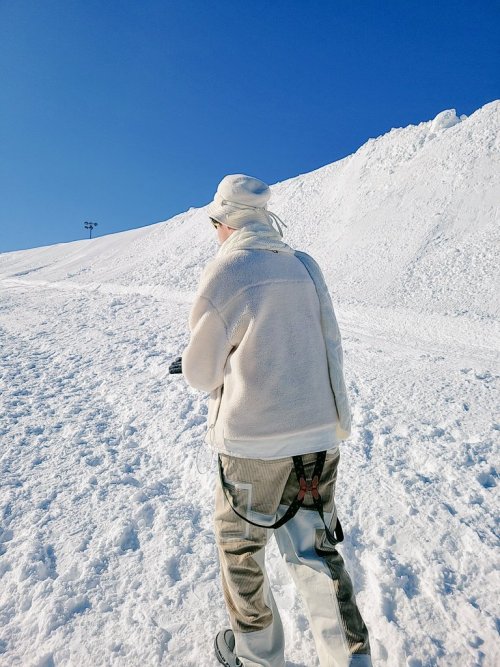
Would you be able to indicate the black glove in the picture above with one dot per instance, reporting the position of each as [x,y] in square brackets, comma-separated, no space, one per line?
[175,366]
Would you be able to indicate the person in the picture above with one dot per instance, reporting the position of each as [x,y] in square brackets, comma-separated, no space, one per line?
[265,344]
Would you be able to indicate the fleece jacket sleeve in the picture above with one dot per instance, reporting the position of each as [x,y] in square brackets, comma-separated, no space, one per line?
[205,356]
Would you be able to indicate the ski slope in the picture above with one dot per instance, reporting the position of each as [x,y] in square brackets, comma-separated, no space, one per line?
[107,555]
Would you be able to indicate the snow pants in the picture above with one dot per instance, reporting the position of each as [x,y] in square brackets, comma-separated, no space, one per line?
[262,490]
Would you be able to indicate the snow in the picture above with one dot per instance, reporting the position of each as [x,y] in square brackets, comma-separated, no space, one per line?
[445,119]
[107,555]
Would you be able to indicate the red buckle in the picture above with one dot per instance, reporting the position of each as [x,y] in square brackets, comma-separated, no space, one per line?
[314,488]
[305,487]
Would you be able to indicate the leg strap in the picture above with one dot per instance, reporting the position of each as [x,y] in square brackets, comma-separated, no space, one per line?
[290,513]
[338,534]
[333,537]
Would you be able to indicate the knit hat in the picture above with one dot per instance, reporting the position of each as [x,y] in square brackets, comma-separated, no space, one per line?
[242,199]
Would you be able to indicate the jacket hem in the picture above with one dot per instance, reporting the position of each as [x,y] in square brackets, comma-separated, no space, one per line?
[281,446]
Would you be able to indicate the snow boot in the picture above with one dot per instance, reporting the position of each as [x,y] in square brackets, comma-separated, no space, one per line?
[224,649]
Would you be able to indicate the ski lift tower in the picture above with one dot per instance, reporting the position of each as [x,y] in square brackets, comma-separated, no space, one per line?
[90,226]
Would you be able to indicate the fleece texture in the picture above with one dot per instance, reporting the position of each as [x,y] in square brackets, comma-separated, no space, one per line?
[257,346]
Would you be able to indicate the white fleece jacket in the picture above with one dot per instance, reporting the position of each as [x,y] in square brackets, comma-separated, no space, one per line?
[258,348]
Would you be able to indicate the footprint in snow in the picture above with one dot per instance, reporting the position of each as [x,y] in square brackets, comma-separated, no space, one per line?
[485,375]
[487,479]
[126,538]
[46,660]
[41,564]
[145,516]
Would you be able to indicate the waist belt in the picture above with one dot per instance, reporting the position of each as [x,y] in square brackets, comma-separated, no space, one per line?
[333,537]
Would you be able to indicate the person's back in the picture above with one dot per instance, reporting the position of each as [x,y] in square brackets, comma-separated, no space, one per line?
[276,371]
[265,343]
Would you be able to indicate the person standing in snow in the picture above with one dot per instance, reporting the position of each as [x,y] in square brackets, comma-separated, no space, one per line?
[266,345]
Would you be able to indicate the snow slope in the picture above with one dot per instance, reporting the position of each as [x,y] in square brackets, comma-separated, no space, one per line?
[106,551]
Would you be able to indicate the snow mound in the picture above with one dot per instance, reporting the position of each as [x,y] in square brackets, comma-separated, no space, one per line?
[446,119]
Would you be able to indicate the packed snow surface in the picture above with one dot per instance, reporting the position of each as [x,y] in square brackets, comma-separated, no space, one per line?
[107,555]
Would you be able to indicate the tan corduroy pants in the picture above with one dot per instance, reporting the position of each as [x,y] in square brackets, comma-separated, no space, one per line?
[261,490]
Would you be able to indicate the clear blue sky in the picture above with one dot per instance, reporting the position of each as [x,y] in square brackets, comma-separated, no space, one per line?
[126,112]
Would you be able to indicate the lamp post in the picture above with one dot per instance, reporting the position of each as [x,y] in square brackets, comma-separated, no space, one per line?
[90,226]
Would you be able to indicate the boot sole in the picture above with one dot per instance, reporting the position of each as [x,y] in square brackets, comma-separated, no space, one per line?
[220,657]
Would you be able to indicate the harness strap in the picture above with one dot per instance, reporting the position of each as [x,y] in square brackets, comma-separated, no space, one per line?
[289,514]
[333,537]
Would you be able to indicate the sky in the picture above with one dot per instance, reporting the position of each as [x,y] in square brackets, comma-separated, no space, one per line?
[127,113]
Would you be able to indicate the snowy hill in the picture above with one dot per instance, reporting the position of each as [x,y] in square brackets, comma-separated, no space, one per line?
[409,220]
[106,550]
